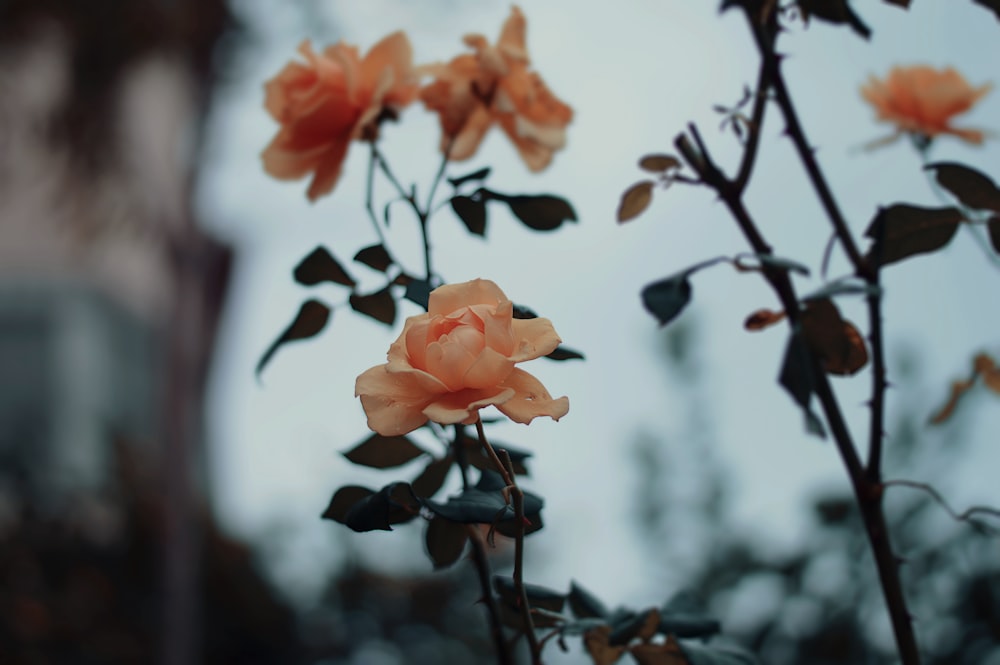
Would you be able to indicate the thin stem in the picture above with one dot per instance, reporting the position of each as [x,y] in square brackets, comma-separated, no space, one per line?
[422,215]
[753,141]
[460,455]
[876,434]
[505,467]
[482,564]
[369,195]
[763,36]
[964,516]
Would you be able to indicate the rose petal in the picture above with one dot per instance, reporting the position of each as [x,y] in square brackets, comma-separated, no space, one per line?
[328,172]
[533,338]
[498,328]
[448,361]
[489,369]
[394,402]
[395,54]
[449,298]
[462,406]
[531,399]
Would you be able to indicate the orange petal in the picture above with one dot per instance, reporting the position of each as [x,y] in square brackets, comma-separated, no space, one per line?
[533,338]
[531,399]
[466,141]
[462,406]
[448,298]
[449,361]
[489,369]
[394,402]
[328,172]
[498,328]
[512,36]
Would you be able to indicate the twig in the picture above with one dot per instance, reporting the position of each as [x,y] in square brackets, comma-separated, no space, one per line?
[369,195]
[506,469]
[482,564]
[966,515]
[753,141]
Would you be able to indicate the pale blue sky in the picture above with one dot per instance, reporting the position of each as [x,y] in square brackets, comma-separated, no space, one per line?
[636,72]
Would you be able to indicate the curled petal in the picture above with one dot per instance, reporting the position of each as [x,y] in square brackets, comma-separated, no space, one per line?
[463,406]
[531,399]
[489,369]
[533,338]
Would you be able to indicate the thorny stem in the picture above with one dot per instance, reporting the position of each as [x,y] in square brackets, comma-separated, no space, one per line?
[867,493]
[482,564]
[504,466]
[753,140]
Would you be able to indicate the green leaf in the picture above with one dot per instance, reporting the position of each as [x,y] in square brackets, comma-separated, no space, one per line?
[902,230]
[418,291]
[320,266]
[445,542]
[973,188]
[343,500]
[584,604]
[483,504]
[481,174]
[782,263]
[380,305]
[564,353]
[375,257]
[432,477]
[667,298]
[687,624]
[472,212]
[797,378]
[310,321]
[543,212]
[384,452]
[478,458]
[393,504]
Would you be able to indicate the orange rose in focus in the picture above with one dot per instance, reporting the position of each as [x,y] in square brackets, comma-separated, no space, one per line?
[330,100]
[493,84]
[458,358]
[922,100]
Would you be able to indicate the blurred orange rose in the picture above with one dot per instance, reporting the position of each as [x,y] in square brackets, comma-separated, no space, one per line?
[458,358]
[493,84]
[330,100]
[922,100]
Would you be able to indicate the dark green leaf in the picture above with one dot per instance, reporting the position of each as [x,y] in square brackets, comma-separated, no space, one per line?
[320,266]
[842,287]
[432,477]
[375,257]
[522,312]
[310,320]
[445,541]
[797,378]
[581,626]
[481,174]
[342,501]
[687,624]
[483,504]
[782,263]
[541,213]
[836,342]
[538,596]
[472,212]
[584,604]
[973,188]
[564,353]
[835,11]
[393,504]
[418,291]
[992,5]
[628,626]
[901,230]
[717,655]
[668,297]
[384,452]
[478,458]
[994,229]
[380,305]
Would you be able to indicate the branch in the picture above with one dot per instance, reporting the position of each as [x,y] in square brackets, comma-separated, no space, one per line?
[753,141]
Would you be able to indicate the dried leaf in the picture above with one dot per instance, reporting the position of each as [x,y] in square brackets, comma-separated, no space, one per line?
[763,318]
[635,200]
[596,643]
[958,388]
[667,653]
[659,163]
[835,341]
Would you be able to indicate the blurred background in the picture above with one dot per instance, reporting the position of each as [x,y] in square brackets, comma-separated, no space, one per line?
[160,504]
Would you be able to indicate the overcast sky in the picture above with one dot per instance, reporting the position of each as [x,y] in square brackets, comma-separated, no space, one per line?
[635,71]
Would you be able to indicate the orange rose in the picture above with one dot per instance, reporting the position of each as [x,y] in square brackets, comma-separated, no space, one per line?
[493,84]
[922,100]
[333,98]
[458,358]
